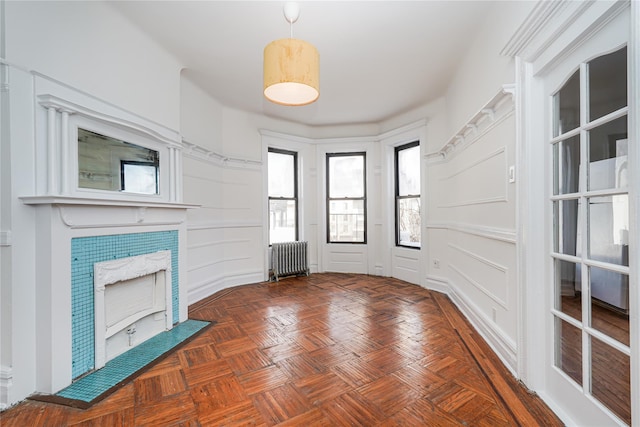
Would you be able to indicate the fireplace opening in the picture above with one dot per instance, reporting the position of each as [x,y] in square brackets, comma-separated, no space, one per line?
[132,302]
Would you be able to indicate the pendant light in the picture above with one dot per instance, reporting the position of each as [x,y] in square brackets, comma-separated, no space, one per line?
[291,67]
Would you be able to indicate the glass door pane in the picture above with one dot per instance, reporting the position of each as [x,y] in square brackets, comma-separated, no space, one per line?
[566,155]
[607,84]
[611,379]
[608,155]
[569,350]
[567,106]
[568,289]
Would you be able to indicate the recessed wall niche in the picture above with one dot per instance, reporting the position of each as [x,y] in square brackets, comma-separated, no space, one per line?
[107,163]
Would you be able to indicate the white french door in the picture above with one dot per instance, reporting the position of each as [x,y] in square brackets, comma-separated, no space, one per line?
[590,314]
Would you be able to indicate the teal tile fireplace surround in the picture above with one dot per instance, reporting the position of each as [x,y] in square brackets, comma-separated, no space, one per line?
[86,251]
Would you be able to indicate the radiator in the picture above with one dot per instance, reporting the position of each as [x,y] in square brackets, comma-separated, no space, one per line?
[289,258]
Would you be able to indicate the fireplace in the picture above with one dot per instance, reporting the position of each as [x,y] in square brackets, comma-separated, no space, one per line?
[78,226]
[132,302]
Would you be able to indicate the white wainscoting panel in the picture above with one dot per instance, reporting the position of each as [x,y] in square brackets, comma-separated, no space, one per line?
[346,258]
[480,181]
[485,275]
[405,264]
[224,240]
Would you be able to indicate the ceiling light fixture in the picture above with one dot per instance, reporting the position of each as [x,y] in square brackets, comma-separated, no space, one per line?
[291,67]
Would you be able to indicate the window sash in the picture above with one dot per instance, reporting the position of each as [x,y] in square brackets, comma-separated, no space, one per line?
[356,228]
[408,225]
[279,220]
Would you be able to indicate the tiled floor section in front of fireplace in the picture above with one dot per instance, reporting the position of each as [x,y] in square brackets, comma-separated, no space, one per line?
[96,385]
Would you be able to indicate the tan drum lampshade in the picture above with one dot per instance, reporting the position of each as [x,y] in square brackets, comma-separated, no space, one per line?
[291,72]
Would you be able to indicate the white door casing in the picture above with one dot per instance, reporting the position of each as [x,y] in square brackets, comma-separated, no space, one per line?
[553,42]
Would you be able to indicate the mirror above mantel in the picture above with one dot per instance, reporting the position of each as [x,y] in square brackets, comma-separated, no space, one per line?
[88,149]
[107,163]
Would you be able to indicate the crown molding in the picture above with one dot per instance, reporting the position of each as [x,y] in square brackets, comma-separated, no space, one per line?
[490,115]
[197,152]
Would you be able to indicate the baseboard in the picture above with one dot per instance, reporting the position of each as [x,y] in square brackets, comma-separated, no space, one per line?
[206,288]
[502,345]
[6,381]
[557,409]
[437,283]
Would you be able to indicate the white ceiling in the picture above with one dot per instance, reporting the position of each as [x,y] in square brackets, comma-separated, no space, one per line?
[377,58]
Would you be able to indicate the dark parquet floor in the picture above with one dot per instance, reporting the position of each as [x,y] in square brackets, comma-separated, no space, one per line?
[324,350]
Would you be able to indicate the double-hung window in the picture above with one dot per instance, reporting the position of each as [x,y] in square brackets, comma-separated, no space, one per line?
[407,168]
[346,198]
[283,195]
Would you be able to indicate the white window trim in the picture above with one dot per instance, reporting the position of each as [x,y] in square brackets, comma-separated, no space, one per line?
[302,147]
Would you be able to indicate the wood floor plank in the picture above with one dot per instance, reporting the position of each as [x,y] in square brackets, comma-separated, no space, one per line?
[324,350]
[280,404]
[352,409]
[389,394]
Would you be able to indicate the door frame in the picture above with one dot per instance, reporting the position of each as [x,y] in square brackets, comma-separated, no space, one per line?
[551,32]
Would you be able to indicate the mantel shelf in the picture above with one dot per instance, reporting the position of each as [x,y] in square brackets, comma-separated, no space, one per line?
[84,201]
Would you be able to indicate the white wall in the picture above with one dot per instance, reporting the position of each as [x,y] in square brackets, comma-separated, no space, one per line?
[483,70]
[91,47]
[17,231]
[469,240]
[471,224]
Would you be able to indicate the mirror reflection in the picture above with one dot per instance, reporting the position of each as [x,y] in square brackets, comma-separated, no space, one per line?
[106,163]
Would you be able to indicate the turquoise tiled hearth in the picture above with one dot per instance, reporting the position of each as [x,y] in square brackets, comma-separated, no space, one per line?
[85,252]
[95,385]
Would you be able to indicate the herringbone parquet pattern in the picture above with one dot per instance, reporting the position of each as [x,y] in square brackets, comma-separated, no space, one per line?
[328,349]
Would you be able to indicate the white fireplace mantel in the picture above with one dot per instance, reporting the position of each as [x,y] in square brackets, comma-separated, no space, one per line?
[82,212]
[60,219]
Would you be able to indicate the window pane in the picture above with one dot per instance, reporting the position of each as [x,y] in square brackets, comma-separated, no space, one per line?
[608,146]
[609,229]
[610,303]
[611,378]
[607,84]
[346,221]
[568,352]
[566,223]
[567,162]
[282,221]
[139,178]
[566,102]
[568,289]
[281,174]
[346,176]
[409,171]
[409,221]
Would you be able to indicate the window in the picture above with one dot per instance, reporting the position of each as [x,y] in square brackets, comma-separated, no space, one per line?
[407,164]
[346,198]
[139,177]
[283,195]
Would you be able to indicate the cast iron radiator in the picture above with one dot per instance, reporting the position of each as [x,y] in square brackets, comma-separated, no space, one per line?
[289,258]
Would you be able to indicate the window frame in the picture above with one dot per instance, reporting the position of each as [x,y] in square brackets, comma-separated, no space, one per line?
[124,163]
[330,199]
[398,197]
[295,191]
